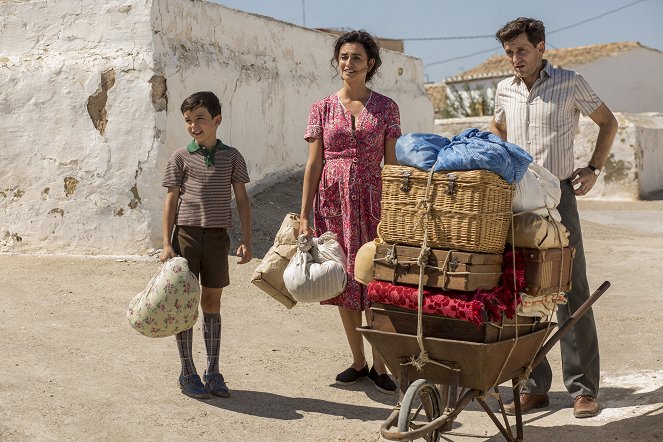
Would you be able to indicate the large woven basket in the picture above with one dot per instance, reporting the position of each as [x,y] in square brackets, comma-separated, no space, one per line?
[469,210]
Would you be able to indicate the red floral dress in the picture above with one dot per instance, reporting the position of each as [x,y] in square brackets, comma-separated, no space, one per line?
[347,202]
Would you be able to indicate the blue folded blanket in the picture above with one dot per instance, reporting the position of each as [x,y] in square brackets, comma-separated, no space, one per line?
[471,149]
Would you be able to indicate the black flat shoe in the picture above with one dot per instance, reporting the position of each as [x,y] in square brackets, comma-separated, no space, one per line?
[383,382]
[350,376]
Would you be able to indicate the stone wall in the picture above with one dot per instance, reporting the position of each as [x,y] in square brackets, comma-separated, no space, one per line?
[90,110]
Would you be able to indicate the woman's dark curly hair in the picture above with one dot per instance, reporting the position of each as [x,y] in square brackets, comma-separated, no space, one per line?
[369,44]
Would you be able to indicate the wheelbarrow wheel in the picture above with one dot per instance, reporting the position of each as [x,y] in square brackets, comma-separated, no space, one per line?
[422,395]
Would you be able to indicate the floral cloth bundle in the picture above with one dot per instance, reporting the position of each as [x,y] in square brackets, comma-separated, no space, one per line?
[169,303]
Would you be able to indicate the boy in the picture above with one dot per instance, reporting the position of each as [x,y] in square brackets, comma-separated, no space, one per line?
[196,214]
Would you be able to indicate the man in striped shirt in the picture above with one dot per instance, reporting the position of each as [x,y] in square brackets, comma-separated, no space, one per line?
[538,109]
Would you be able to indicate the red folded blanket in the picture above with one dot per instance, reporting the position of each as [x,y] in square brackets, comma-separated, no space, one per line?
[476,307]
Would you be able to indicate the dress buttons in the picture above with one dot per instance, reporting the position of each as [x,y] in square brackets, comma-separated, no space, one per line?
[354,160]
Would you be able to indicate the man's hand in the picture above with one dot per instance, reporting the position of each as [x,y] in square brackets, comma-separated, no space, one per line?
[583,180]
[167,253]
[244,253]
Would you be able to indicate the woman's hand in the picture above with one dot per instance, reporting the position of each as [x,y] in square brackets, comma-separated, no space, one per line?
[304,228]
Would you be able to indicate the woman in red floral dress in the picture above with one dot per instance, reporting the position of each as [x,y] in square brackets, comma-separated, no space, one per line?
[349,134]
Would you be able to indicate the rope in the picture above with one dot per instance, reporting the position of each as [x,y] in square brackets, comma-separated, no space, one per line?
[423,358]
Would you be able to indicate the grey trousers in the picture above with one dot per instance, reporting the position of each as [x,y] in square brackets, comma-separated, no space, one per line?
[579,346]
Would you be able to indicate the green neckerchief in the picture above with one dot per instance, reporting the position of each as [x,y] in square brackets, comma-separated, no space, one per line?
[207,154]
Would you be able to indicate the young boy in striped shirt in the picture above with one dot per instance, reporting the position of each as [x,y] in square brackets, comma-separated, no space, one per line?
[196,216]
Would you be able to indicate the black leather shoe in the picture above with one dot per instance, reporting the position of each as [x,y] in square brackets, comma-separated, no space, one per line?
[192,386]
[528,402]
[216,384]
[383,382]
[350,376]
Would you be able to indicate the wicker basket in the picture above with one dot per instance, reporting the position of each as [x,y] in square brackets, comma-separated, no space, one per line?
[470,210]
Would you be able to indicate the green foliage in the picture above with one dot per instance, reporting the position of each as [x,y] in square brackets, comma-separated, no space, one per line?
[468,102]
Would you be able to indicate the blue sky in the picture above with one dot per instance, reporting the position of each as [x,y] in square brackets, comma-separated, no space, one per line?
[639,20]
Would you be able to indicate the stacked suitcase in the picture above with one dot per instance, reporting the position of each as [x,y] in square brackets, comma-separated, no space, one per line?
[464,218]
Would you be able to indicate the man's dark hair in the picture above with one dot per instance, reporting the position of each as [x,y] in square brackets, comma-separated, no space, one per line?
[370,46]
[535,30]
[204,99]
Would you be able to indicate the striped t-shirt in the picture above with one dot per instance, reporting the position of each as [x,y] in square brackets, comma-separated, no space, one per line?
[205,191]
[543,121]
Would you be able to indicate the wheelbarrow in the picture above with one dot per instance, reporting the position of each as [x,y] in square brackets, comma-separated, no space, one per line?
[429,394]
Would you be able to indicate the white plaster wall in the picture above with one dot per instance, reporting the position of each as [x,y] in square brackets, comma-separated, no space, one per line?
[267,74]
[636,158]
[628,82]
[52,58]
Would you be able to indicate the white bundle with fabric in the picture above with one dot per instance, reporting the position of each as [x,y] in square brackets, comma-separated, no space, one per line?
[537,192]
[317,271]
[169,303]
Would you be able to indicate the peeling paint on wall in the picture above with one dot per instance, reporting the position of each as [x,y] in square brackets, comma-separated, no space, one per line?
[96,104]
[56,210]
[9,237]
[136,199]
[9,191]
[159,93]
[44,193]
[616,170]
[118,212]
[70,184]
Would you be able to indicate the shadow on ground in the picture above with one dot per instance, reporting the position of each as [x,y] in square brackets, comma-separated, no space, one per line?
[647,426]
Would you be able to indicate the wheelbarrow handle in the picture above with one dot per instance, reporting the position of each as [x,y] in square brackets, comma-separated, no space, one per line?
[569,323]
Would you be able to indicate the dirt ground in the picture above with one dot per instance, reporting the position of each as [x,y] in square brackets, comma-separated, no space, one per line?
[73,369]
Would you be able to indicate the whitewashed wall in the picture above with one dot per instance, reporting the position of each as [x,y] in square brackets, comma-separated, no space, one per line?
[90,110]
[636,158]
[628,82]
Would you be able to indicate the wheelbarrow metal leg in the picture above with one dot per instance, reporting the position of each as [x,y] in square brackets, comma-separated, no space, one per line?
[506,431]
[569,323]
[518,409]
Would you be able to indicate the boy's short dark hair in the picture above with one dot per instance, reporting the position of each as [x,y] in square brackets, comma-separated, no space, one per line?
[367,41]
[534,29]
[204,99]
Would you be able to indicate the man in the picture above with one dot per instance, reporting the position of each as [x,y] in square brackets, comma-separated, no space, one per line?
[538,109]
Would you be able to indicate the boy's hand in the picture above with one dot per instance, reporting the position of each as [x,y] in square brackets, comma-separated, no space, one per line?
[244,253]
[167,253]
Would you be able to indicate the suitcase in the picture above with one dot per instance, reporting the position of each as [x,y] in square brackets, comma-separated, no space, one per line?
[543,267]
[405,321]
[458,271]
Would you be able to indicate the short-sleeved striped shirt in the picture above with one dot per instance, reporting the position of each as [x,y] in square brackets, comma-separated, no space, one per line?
[543,121]
[205,191]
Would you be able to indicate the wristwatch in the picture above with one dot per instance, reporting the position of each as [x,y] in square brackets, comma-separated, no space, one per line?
[594,169]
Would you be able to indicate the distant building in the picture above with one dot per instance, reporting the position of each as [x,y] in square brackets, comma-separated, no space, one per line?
[625,75]
[385,43]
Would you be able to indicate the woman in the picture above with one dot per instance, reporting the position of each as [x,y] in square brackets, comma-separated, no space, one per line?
[349,133]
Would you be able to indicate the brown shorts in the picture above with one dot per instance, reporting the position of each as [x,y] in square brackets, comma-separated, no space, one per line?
[206,250]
